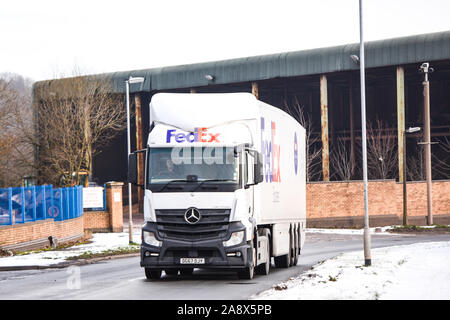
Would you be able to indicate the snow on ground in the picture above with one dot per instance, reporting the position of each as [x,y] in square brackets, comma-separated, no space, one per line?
[111,241]
[378,230]
[100,242]
[417,271]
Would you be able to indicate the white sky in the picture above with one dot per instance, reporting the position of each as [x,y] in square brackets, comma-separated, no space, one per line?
[46,38]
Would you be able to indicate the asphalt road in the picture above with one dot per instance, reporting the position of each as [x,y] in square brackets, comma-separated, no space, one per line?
[123,278]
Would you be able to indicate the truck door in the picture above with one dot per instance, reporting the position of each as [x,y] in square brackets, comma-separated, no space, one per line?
[250,180]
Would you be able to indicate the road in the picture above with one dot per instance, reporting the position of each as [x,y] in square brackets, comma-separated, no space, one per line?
[124,279]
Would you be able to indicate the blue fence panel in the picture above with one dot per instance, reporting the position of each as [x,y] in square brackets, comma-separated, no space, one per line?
[40,202]
[29,204]
[54,210]
[48,201]
[80,202]
[5,216]
[20,205]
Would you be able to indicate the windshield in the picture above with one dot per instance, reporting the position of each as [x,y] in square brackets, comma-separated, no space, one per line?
[192,165]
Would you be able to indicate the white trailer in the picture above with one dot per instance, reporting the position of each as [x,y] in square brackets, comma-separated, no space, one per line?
[225,185]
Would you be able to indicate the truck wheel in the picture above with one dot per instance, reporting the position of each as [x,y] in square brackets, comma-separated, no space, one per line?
[296,246]
[187,272]
[248,272]
[292,247]
[284,261]
[153,274]
[171,272]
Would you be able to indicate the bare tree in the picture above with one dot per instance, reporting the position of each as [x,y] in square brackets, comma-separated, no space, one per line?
[441,164]
[340,161]
[313,153]
[74,117]
[15,156]
[381,151]
[415,168]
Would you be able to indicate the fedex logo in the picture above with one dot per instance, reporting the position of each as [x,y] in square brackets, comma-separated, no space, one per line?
[199,135]
[271,154]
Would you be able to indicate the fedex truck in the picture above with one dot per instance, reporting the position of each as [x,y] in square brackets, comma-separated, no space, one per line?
[224,185]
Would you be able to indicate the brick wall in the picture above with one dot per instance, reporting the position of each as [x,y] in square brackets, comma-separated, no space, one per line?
[340,204]
[97,221]
[35,234]
[30,231]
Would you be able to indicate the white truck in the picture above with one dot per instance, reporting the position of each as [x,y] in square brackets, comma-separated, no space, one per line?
[225,185]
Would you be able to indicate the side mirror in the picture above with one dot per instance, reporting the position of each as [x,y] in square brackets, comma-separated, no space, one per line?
[258,170]
[132,168]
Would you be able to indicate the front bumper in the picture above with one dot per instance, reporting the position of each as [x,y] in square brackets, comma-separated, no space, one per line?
[212,250]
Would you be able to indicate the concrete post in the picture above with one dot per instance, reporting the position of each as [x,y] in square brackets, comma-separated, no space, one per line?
[401,121]
[324,123]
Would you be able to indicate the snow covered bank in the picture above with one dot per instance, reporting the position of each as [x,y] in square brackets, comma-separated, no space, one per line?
[100,242]
[418,271]
[379,230]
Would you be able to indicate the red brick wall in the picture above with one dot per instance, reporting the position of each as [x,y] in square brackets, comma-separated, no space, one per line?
[20,233]
[91,220]
[96,221]
[345,199]
[112,220]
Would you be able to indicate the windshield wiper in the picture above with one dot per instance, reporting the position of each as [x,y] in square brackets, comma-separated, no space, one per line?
[210,180]
[172,181]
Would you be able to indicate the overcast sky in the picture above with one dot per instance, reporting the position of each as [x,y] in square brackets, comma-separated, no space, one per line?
[43,39]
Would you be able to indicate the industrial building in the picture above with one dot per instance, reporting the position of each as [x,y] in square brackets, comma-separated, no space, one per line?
[324,84]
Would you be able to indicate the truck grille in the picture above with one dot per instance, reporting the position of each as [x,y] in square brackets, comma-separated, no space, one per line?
[213,224]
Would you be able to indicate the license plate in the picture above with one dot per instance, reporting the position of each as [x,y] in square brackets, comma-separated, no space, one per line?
[192,260]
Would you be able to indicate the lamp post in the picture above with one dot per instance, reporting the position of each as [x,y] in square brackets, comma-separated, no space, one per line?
[367,255]
[130,201]
[426,69]
[405,204]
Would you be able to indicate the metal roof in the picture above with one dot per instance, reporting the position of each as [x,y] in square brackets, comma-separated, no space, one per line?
[389,52]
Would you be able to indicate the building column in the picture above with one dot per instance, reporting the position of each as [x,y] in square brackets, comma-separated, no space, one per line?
[324,123]
[255,89]
[139,146]
[400,120]
[352,128]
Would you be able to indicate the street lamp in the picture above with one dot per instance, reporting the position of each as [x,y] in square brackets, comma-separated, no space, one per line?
[130,208]
[426,69]
[367,256]
[405,205]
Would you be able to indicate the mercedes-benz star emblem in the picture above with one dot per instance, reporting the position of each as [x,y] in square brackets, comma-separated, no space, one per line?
[192,216]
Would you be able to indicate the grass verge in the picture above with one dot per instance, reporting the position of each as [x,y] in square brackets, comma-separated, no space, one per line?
[106,253]
[418,229]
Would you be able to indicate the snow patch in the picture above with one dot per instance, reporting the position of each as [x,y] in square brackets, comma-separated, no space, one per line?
[417,271]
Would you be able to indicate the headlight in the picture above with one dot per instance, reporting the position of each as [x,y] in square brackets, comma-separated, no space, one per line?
[236,238]
[150,239]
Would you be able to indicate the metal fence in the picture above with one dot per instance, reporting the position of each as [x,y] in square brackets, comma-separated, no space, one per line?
[20,205]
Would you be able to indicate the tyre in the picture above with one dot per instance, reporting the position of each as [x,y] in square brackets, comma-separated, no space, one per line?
[296,247]
[153,274]
[248,272]
[284,261]
[292,247]
[186,272]
[171,272]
